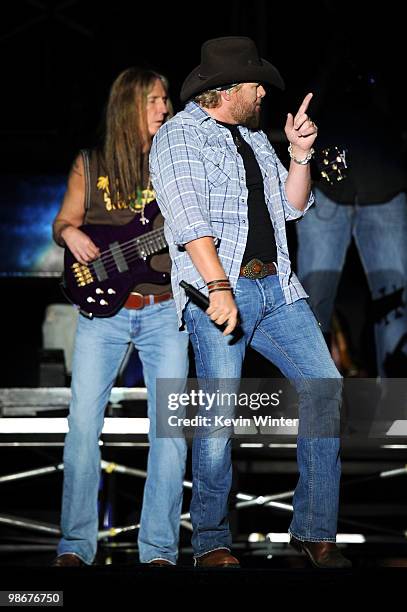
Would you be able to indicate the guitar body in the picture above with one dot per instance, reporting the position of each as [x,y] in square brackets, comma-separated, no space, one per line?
[100,288]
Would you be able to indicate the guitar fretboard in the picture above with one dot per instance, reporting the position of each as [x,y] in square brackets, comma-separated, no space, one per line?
[119,256]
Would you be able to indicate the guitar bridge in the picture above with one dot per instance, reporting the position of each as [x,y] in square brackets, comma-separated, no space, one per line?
[82,274]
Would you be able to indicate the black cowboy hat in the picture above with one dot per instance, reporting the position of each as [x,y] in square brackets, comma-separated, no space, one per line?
[231,59]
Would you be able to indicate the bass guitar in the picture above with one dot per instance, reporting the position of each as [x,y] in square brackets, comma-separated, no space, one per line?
[100,288]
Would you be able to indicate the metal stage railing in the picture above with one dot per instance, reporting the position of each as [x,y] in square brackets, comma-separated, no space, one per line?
[23,424]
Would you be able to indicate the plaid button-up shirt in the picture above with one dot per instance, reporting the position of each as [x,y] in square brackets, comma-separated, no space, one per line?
[200,183]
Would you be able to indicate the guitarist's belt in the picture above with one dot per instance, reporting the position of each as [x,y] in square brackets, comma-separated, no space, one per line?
[138,301]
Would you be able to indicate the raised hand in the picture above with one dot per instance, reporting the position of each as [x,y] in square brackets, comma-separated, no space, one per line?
[300,130]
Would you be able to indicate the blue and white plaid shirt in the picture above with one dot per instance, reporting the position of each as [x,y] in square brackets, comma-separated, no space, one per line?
[200,182]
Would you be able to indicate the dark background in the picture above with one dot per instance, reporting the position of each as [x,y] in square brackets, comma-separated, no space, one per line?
[60,58]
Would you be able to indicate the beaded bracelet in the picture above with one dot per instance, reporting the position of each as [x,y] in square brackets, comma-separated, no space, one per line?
[304,161]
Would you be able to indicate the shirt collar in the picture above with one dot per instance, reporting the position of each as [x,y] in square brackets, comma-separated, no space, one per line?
[200,115]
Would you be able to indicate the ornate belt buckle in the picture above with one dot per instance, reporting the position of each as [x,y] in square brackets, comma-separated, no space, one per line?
[256,269]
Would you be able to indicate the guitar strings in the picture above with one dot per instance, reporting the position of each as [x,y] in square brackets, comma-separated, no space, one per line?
[143,238]
[110,264]
[136,243]
[111,267]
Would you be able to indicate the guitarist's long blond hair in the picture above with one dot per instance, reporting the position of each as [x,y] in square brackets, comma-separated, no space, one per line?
[127,140]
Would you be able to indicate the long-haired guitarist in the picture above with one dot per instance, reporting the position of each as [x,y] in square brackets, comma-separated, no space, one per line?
[117,272]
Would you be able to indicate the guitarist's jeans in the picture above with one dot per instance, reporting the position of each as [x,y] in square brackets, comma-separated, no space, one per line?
[100,347]
[380,234]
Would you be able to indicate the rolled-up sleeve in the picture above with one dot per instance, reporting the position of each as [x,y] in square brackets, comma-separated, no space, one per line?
[179,180]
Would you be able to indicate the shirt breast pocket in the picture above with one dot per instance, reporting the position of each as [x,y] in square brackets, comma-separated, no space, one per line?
[217,166]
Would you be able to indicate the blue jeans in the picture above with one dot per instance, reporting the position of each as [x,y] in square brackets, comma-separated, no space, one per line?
[289,336]
[380,233]
[99,350]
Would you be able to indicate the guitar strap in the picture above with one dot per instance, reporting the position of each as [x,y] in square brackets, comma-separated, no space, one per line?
[85,157]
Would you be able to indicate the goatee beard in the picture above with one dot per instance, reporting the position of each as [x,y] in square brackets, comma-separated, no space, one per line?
[252,121]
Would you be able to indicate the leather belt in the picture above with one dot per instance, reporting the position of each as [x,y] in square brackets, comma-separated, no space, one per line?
[138,301]
[255,268]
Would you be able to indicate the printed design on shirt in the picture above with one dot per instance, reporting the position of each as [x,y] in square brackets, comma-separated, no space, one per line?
[136,202]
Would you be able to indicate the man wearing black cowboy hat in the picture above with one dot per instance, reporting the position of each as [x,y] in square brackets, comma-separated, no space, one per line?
[225,197]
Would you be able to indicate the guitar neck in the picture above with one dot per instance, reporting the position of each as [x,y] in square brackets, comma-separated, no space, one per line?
[121,256]
[150,243]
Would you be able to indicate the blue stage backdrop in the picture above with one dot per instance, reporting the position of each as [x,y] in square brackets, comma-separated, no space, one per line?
[28,205]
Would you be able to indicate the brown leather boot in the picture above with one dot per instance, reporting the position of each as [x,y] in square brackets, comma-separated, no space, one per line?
[325,555]
[217,558]
[160,563]
[68,560]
